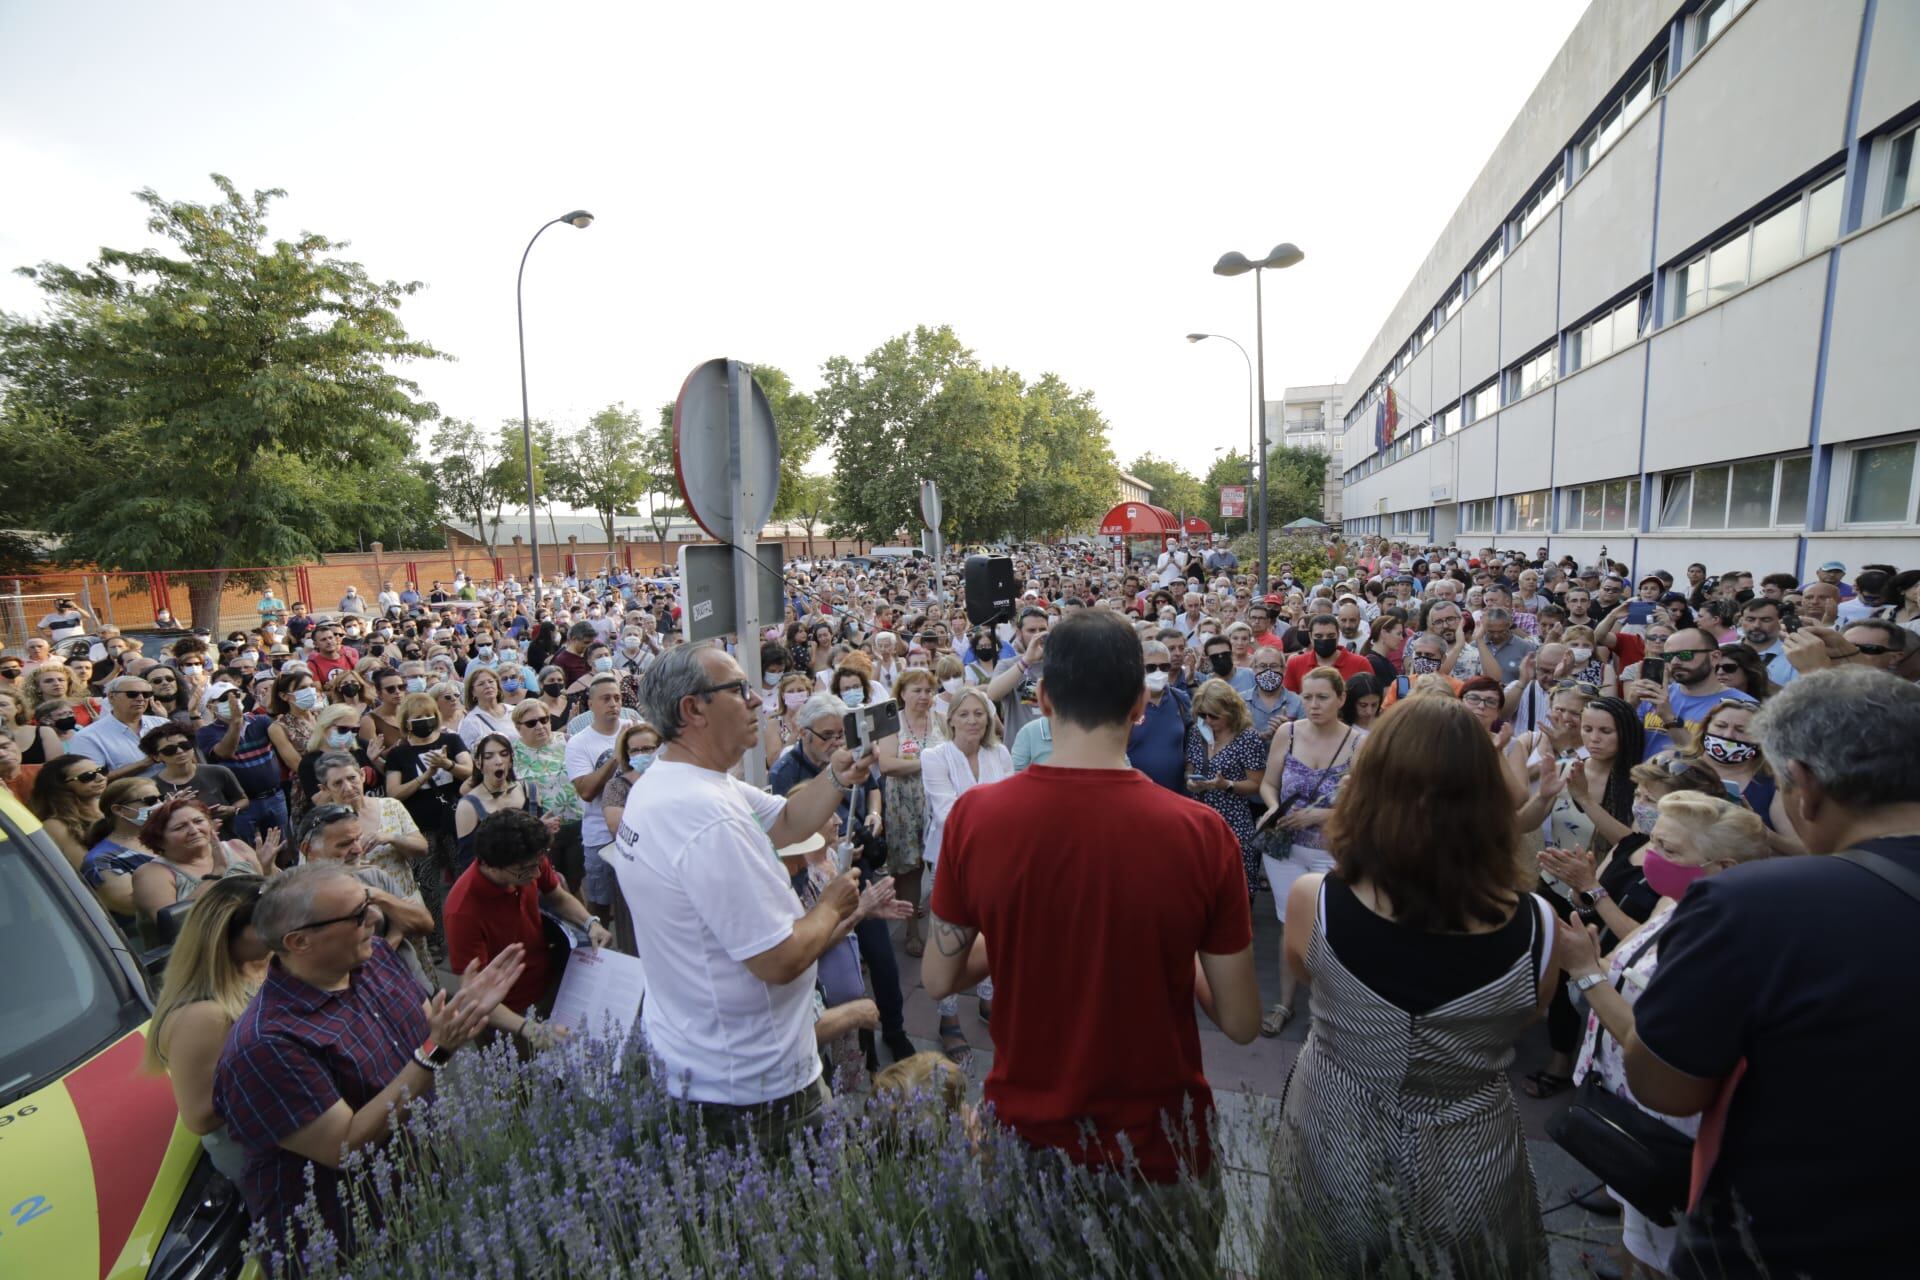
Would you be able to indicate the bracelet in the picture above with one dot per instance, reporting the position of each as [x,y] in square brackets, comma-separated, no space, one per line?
[420,1056]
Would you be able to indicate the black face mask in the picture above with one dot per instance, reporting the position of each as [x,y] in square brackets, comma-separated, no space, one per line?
[1222,663]
[554,689]
[66,724]
[1325,645]
[421,726]
[984,649]
[349,690]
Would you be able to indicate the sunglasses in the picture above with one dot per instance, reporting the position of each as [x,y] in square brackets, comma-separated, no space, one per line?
[91,775]
[141,694]
[536,722]
[1159,666]
[1684,655]
[1875,650]
[359,918]
[174,750]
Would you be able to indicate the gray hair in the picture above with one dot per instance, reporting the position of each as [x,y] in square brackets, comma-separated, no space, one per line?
[675,675]
[331,760]
[287,902]
[582,631]
[1494,613]
[1852,728]
[820,704]
[1154,649]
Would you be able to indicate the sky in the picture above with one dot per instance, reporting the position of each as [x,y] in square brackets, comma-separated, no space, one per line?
[782,183]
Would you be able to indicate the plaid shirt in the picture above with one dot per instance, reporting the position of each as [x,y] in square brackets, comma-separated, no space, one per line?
[295,1052]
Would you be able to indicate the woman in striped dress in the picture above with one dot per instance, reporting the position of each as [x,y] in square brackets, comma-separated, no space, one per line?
[1399,1137]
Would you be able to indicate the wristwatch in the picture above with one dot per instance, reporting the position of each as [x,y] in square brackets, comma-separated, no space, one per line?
[1590,898]
[433,1056]
[1587,982]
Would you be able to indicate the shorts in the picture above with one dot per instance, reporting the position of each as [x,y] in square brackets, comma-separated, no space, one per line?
[601,883]
[1282,872]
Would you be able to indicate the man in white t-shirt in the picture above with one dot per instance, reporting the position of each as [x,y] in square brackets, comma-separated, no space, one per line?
[729,951]
[1172,564]
[590,766]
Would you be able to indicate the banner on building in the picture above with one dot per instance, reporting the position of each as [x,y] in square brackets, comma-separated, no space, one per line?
[1233,500]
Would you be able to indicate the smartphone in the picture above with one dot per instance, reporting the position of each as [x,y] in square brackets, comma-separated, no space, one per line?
[1638,612]
[1400,686]
[1654,669]
[1194,779]
[865,726]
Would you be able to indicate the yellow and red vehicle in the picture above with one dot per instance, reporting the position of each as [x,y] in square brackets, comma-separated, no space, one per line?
[98,1179]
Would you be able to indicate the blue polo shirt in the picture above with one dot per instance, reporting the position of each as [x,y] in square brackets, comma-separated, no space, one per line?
[253,762]
[1157,746]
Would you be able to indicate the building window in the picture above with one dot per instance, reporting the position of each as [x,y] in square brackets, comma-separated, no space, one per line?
[1620,115]
[1524,513]
[1484,266]
[1880,484]
[1450,305]
[1476,517]
[1713,18]
[1609,507]
[1537,207]
[1412,521]
[1482,402]
[1422,338]
[1761,493]
[1901,189]
[1447,422]
[1806,224]
[1612,330]
[1530,375]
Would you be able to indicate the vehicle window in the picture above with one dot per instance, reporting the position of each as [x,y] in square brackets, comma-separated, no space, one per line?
[62,999]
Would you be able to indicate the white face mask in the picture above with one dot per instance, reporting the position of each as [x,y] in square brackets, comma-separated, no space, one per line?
[1582,655]
[1156,681]
[953,686]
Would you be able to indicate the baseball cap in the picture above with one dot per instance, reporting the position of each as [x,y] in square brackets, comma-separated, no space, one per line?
[220,689]
[1833,566]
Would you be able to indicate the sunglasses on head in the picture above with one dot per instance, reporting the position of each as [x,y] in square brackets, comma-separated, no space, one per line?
[1579,686]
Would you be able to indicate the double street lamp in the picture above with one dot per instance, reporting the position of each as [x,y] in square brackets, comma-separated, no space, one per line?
[1237,264]
[578,218]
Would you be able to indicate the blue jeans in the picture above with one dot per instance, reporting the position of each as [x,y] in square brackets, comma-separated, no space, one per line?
[263,813]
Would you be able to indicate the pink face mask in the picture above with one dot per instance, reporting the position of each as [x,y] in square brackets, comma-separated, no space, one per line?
[1666,877]
[794,699]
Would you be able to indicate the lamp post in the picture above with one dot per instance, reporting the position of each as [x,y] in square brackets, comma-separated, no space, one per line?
[578,218]
[1236,264]
[1253,405]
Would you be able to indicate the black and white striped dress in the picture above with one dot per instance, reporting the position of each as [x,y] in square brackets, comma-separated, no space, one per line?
[1399,1136]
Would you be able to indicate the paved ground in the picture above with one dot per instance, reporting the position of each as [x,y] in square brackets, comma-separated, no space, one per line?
[1248,1079]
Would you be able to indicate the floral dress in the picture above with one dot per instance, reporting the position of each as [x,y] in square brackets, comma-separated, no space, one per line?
[546,769]
[392,822]
[1244,757]
[907,804]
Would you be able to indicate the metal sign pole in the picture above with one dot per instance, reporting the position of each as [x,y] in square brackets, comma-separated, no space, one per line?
[746,567]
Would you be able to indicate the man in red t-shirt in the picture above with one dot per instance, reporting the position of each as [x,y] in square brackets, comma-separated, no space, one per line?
[329,655]
[1087,892]
[1323,650]
[1260,618]
[497,900]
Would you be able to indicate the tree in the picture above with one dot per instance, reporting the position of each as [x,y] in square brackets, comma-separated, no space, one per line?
[796,422]
[1067,473]
[477,475]
[1229,469]
[600,467]
[812,503]
[1296,484]
[662,483]
[920,407]
[234,378]
[1173,485]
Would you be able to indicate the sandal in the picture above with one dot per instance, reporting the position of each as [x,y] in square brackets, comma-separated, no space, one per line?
[1276,1020]
[916,945]
[953,1041]
[1544,1084]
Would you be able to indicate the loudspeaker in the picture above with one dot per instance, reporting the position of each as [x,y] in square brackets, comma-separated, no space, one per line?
[989,587]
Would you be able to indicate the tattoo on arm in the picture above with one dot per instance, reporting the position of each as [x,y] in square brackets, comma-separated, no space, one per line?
[952,939]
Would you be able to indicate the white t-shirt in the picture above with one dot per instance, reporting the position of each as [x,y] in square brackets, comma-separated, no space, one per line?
[586,748]
[707,893]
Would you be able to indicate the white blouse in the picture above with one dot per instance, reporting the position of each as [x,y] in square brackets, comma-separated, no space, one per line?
[946,773]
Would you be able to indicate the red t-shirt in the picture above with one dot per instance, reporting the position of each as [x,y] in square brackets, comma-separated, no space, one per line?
[345,658]
[1347,664]
[1271,640]
[1094,889]
[483,919]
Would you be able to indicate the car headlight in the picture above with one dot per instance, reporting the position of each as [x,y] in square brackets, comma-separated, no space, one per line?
[207,1237]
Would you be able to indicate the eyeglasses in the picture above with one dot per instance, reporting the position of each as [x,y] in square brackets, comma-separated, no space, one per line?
[731,686]
[173,750]
[1875,650]
[1485,701]
[91,775]
[837,735]
[1683,655]
[536,722]
[1726,668]
[359,917]
[1159,666]
[141,694]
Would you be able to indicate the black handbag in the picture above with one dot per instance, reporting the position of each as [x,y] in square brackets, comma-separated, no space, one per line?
[1648,1162]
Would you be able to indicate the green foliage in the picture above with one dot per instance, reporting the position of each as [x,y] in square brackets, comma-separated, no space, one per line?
[478,474]
[231,379]
[1296,485]
[812,503]
[796,422]
[1174,487]
[665,502]
[1009,459]
[1228,469]
[601,467]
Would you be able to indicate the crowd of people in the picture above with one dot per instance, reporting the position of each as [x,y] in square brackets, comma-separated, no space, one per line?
[1474,788]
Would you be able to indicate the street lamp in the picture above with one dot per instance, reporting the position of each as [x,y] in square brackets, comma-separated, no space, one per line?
[1237,264]
[578,218]
[1253,407]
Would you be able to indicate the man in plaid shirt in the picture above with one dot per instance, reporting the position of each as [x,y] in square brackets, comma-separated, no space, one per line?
[340,1037]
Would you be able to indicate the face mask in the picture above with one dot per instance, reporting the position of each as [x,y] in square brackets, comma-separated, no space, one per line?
[1156,681]
[1668,878]
[1582,654]
[630,643]
[421,726]
[349,690]
[191,672]
[640,761]
[793,699]
[223,710]
[603,664]
[1206,732]
[141,814]
[1422,666]
[251,655]
[1644,816]
[553,689]
[484,650]
[1222,663]
[1726,751]
[1268,681]
[306,699]
[854,697]
[771,678]
[1325,646]
[340,739]
[953,685]
[416,684]
[510,684]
